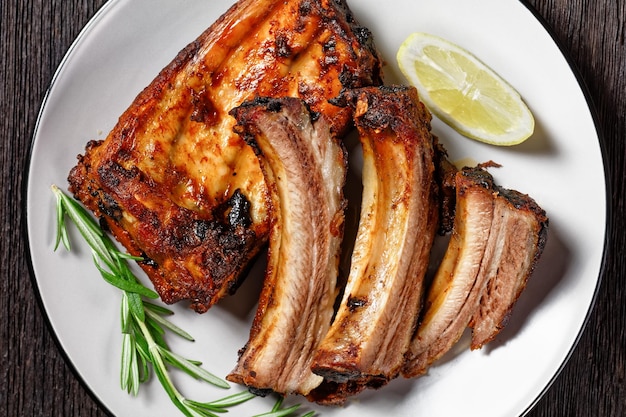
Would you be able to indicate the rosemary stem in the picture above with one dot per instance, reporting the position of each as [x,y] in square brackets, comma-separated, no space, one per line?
[160,369]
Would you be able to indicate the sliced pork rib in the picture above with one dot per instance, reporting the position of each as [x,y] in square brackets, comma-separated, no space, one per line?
[454,294]
[518,236]
[305,170]
[172,180]
[496,239]
[398,221]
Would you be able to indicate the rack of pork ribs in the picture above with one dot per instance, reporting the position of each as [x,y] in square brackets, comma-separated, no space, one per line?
[208,166]
[391,320]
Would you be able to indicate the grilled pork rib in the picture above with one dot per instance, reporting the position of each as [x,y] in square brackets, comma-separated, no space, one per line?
[305,168]
[172,180]
[455,291]
[381,301]
[496,239]
[516,242]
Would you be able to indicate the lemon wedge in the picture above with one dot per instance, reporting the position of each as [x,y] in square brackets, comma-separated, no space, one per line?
[464,92]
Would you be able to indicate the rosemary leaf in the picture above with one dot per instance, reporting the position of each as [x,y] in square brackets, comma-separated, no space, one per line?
[157,333]
[195,362]
[86,226]
[168,324]
[232,400]
[129,369]
[126,361]
[221,405]
[124,284]
[143,361]
[125,314]
[141,344]
[278,403]
[127,256]
[61,232]
[135,305]
[192,369]
[199,411]
[158,309]
[278,411]
[134,371]
[160,371]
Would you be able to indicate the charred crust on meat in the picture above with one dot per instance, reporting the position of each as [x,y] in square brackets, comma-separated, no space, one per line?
[380,111]
[355,303]
[260,392]
[283,49]
[109,207]
[348,78]
[340,100]
[304,8]
[329,46]
[239,213]
[479,176]
[445,173]
[274,105]
[521,201]
[203,108]
[201,228]
[147,261]
[364,35]
[314,116]
[91,145]
[104,224]
[333,393]
[111,174]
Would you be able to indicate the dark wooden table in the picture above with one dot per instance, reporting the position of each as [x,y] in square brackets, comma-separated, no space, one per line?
[34,378]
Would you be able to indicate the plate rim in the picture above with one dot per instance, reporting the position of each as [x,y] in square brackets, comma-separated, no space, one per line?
[91,23]
[608,227]
[102,11]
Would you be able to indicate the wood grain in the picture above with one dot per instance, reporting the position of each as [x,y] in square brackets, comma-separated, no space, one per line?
[35,380]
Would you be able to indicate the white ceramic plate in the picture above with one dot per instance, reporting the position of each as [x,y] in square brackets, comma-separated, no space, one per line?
[561,166]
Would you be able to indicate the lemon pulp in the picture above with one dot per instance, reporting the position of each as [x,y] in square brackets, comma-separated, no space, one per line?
[463,91]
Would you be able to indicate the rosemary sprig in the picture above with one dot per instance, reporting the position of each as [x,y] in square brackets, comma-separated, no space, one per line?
[278,411]
[144,324]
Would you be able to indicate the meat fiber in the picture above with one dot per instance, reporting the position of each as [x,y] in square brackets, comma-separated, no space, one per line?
[174,183]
